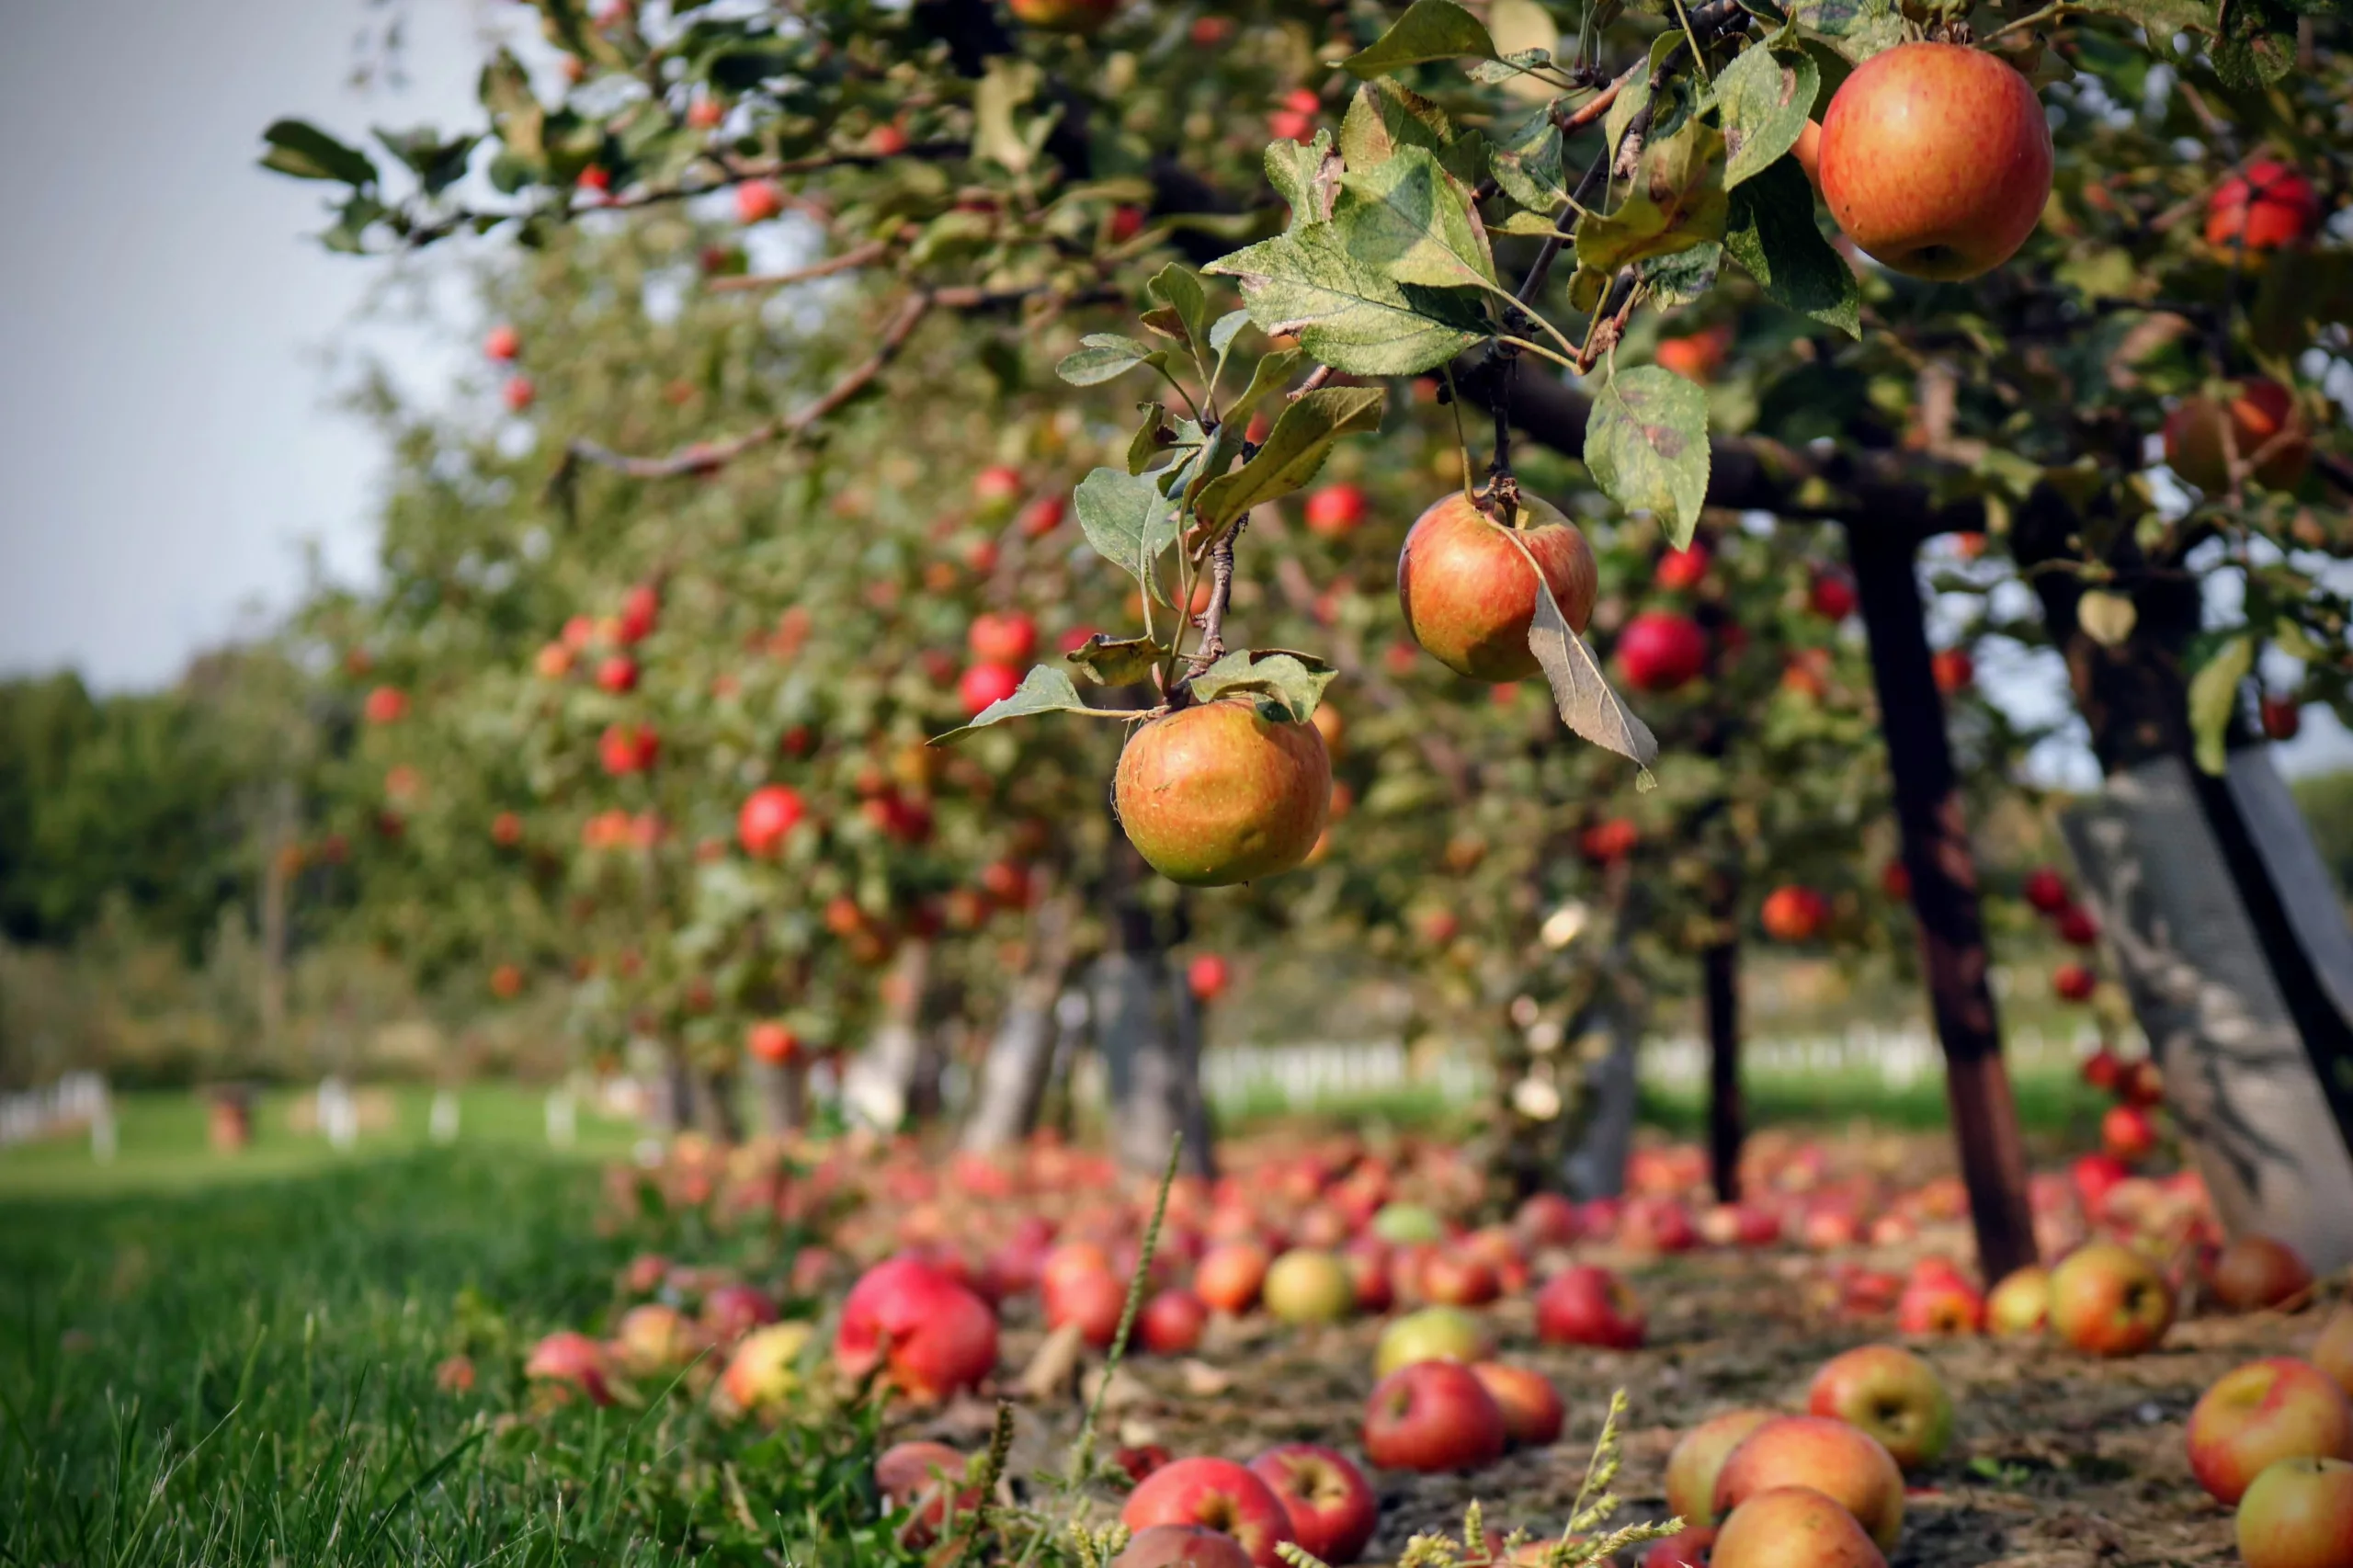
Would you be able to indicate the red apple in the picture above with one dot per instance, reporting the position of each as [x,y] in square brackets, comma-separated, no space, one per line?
[1842,1461]
[1230,1275]
[932,1335]
[769,813]
[1171,1322]
[1209,976]
[1218,1494]
[2282,716]
[1546,1220]
[1587,1305]
[1793,1527]
[1006,638]
[733,1309]
[1093,1298]
[1468,590]
[1181,1546]
[1328,1500]
[1453,1279]
[2046,890]
[2255,1272]
[519,394]
[1952,669]
[1661,652]
[1698,1455]
[756,201]
[1936,160]
[2298,1514]
[1531,1406]
[928,1481]
[2268,206]
[503,344]
[1793,914]
[1831,595]
[2127,1133]
[2109,1301]
[1890,1393]
[2273,1409]
[982,685]
[571,1360]
[1219,793]
[1334,511]
[1943,1306]
[1433,1415]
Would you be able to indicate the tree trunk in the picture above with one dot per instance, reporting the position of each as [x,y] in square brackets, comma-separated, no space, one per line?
[711,1093]
[1149,1043]
[782,1089]
[1943,870]
[670,1095]
[1021,1054]
[1727,1118]
[885,1085]
[277,894]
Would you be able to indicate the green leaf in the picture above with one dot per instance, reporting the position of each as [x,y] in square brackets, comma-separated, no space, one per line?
[1044,689]
[2214,699]
[1510,67]
[1349,316]
[1293,683]
[1269,376]
[1646,445]
[1771,231]
[1677,201]
[1010,83]
[1295,449]
[1102,356]
[1686,276]
[1430,29]
[1223,331]
[2163,17]
[303,150]
[1408,219]
[516,112]
[1128,521]
[2257,45]
[1763,100]
[1146,444]
[1526,161]
[1180,287]
[1120,661]
[1383,117]
[1856,28]
[1581,693]
[1305,176]
[437,164]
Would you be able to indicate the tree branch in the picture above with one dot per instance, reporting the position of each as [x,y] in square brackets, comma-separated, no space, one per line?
[849,261]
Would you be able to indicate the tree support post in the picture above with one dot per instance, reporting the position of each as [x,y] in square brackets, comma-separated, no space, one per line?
[1943,869]
[1727,1118]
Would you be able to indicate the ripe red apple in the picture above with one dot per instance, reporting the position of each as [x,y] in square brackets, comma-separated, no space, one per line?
[1305,1285]
[1940,1306]
[572,1360]
[2075,926]
[641,607]
[1952,669]
[2109,1301]
[2282,718]
[385,705]
[1209,976]
[519,394]
[2266,431]
[2021,1303]
[2128,1135]
[1686,1548]
[2276,1408]
[735,1309]
[1680,571]
[1831,595]
[772,1041]
[1334,511]
[1530,1406]
[2141,1083]
[1295,121]
[981,685]
[628,748]
[1181,1546]
[1454,1279]
[2255,1272]
[1699,1455]
[503,344]
[1661,652]
[1936,160]
[1330,1504]
[1091,1297]
[1433,1415]
[1588,1305]
[1793,914]
[756,201]
[2298,1514]
[2268,206]
[1433,1333]
[1368,1262]
[1696,356]
[1890,1393]
[1546,1220]
[1171,1322]
[1793,1527]
[1003,637]
[2046,890]
[2073,982]
[934,1336]
[1230,1275]
[1217,793]
[1842,1461]
[1467,591]
[1218,1494]
[996,485]
[928,1480]
[768,815]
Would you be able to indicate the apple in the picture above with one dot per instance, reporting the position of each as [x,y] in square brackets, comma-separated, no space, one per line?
[768,815]
[1844,1462]
[756,201]
[2254,1272]
[2276,1408]
[1469,594]
[1686,1548]
[385,705]
[733,1309]
[1546,1219]
[982,685]
[1530,1406]
[2074,982]
[1009,638]
[1305,1285]
[569,1359]
[1588,1305]
[2021,1303]
[1936,160]
[1330,1504]
[1217,793]
[2047,890]
[654,1336]
[1696,356]
[1171,1322]
[1831,595]
[1699,1455]
[503,344]
[765,1371]
[1940,1306]
[1181,1546]
[1793,1527]
[2298,1514]
[1368,1263]
[1433,1415]
[1334,511]
[2333,1351]
[1064,16]
[2127,1133]
[2141,1083]
[519,394]
[1230,1275]
[1952,669]
[1680,571]
[1661,652]
[2268,206]
[1890,1393]
[1453,1279]
[1433,1333]
[1218,1494]
[2109,1301]
[1094,1298]
[928,1480]
[1295,121]
[1209,974]
[2265,431]
[930,1333]
[1793,914]
[2282,716]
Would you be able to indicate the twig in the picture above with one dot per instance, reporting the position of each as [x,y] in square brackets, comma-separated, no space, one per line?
[849,261]
[1323,374]
[1213,619]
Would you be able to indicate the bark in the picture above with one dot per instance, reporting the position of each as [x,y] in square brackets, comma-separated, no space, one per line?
[783,1093]
[277,894]
[1021,1055]
[1596,1169]
[1727,1117]
[1149,1035]
[1943,870]
[712,1096]
[671,1096]
[888,1084]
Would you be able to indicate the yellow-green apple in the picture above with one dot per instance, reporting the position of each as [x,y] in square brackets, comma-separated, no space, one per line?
[2276,1408]
[2333,1351]
[1469,592]
[654,1336]
[1433,1333]
[1230,1275]
[1588,1305]
[931,1334]
[1433,1415]
[1890,1393]
[1329,1502]
[2109,1301]
[1936,160]
[1844,1462]
[1793,1527]
[2298,1514]
[2021,1302]
[1398,1224]
[928,1480]
[1217,1493]
[1219,793]
[1181,1546]
[1171,1322]
[1531,1406]
[1305,1285]
[765,1372]
[1699,1455]
[2254,1272]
